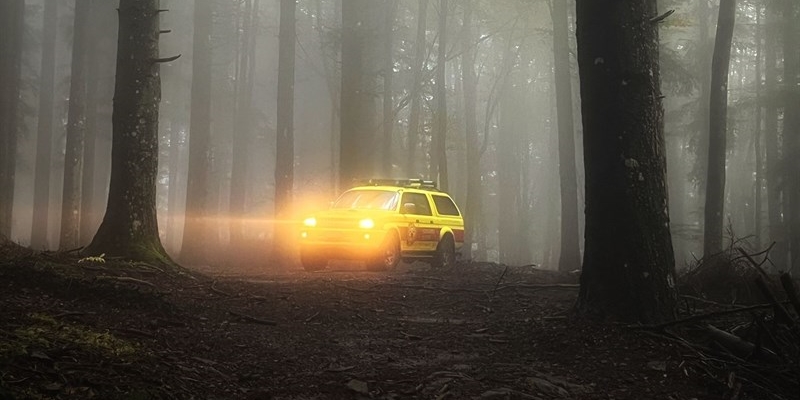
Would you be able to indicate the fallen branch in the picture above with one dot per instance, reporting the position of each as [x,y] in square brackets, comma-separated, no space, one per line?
[254,320]
[125,279]
[700,317]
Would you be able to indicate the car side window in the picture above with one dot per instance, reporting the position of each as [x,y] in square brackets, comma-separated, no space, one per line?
[420,202]
[445,206]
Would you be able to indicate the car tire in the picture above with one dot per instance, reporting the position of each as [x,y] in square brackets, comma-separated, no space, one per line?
[388,255]
[445,256]
[312,262]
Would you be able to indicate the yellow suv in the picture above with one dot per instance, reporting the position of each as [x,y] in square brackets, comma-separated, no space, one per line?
[383,221]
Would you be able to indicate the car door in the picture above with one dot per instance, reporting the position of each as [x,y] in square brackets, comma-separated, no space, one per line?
[419,233]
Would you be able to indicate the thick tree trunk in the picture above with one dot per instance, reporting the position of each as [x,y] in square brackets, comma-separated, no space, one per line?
[44,134]
[284,153]
[76,130]
[509,175]
[570,258]
[12,13]
[358,108]
[194,247]
[439,141]
[629,269]
[791,128]
[717,143]
[129,228]
[470,83]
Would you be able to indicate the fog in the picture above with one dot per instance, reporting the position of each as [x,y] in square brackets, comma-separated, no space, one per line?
[515,115]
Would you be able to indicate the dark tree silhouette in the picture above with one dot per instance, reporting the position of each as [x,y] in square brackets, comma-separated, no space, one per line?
[791,128]
[76,130]
[628,267]
[129,228]
[439,140]
[472,212]
[717,140]
[570,258]
[12,13]
[358,108]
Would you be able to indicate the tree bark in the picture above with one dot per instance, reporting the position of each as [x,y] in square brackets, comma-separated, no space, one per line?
[774,189]
[570,255]
[242,130]
[628,269]
[284,161]
[439,141]
[76,130]
[470,83]
[717,143]
[390,8]
[195,244]
[12,14]
[130,228]
[359,81]
[791,129]
[412,168]
[44,134]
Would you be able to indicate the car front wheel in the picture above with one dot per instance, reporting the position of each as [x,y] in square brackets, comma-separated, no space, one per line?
[445,256]
[388,255]
[312,262]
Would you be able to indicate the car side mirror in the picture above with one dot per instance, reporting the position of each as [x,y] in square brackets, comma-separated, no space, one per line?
[409,208]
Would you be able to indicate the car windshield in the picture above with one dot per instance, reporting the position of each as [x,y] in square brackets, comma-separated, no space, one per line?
[367,199]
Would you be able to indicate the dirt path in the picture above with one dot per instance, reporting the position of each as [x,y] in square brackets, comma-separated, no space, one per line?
[105,330]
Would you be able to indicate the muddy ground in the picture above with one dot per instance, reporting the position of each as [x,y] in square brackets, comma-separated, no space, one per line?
[106,329]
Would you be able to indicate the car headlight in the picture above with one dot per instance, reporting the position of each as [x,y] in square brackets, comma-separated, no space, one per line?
[311,222]
[366,223]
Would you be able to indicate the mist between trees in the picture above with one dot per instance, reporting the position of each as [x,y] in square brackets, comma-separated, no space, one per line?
[273,107]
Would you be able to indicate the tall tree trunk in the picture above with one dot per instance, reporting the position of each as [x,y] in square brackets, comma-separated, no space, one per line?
[284,146]
[44,134]
[439,141]
[774,189]
[130,228]
[194,247]
[704,50]
[390,8]
[412,168]
[570,258]
[757,192]
[76,130]
[358,108]
[628,275]
[791,128]
[717,143]
[242,125]
[470,84]
[12,15]
[509,172]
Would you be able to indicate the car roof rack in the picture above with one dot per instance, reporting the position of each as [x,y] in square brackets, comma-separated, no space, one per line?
[409,183]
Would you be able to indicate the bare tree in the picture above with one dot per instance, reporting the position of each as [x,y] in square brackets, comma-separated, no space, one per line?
[412,169]
[76,130]
[129,228]
[284,146]
[439,141]
[628,268]
[194,247]
[12,13]
[390,8]
[470,83]
[570,258]
[44,134]
[359,82]
[791,128]
[718,115]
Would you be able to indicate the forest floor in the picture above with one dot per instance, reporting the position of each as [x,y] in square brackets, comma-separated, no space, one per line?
[108,329]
